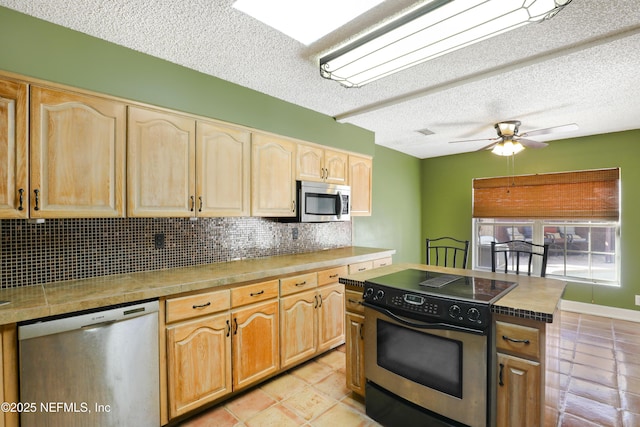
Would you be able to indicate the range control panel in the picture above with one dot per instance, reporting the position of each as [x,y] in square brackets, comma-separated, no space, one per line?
[428,308]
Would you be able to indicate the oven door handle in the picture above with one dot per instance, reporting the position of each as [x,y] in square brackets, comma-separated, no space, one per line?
[422,325]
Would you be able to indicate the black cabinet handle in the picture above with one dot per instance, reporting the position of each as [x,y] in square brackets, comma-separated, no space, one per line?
[207,304]
[37,193]
[255,294]
[500,382]
[316,298]
[200,208]
[21,191]
[362,331]
[301,283]
[228,328]
[353,301]
[320,298]
[506,338]
[235,323]
[193,203]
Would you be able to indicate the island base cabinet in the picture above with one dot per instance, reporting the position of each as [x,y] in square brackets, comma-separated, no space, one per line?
[355,353]
[199,362]
[518,392]
[255,343]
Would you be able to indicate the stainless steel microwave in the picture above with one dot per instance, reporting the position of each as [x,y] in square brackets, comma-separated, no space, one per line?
[322,202]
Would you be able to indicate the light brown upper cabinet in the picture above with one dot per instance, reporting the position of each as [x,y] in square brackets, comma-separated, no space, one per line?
[360,179]
[14,180]
[223,167]
[318,164]
[273,178]
[161,164]
[77,155]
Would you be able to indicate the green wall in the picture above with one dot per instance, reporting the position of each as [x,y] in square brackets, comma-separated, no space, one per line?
[46,51]
[396,219]
[446,202]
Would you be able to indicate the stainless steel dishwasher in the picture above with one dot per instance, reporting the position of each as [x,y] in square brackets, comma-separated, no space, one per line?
[97,368]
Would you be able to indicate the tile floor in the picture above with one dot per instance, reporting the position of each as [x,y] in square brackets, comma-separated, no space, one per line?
[599,385]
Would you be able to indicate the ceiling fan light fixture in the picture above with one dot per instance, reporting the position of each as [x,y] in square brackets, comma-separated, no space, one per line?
[432,30]
[507,147]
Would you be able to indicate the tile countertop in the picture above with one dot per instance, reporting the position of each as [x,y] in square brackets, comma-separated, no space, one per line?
[33,302]
[534,298]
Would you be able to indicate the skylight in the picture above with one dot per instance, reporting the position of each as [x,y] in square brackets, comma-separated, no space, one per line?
[305,21]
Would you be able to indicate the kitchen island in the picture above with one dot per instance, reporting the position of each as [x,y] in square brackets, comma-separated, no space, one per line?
[523,342]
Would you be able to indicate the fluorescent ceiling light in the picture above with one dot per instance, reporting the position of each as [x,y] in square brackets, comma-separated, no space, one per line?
[437,28]
[304,20]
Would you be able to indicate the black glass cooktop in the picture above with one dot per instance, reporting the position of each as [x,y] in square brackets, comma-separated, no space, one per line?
[446,285]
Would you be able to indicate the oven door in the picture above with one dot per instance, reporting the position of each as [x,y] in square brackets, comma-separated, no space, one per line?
[438,367]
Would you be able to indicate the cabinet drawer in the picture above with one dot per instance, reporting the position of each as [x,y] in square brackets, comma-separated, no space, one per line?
[360,266]
[331,275]
[294,284]
[253,293]
[382,262]
[353,301]
[196,305]
[518,339]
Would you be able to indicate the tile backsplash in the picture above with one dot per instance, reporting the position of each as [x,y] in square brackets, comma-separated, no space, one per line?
[65,249]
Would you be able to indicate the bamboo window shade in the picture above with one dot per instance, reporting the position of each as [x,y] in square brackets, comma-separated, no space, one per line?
[592,194]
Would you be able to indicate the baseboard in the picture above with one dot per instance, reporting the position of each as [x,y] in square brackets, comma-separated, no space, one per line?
[600,310]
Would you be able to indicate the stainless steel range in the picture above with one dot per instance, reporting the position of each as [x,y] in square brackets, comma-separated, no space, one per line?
[427,345]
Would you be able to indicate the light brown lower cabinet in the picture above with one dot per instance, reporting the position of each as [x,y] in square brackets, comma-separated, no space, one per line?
[355,352]
[311,323]
[9,374]
[526,351]
[518,392]
[255,341]
[199,362]
[354,336]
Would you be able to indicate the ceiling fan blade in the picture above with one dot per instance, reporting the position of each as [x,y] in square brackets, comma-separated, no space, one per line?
[476,140]
[555,129]
[490,146]
[529,143]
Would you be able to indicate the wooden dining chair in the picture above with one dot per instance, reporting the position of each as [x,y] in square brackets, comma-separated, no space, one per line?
[513,250]
[447,252]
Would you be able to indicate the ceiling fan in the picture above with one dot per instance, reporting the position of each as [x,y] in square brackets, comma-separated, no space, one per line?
[510,142]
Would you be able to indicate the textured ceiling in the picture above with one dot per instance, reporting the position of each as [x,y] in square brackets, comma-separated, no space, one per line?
[579,67]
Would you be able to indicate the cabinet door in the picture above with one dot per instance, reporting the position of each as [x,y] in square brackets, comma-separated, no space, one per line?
[330,316]
[298,327]
[14,182]
[255,343]
[310,163]
[77,155]
[355,353]
[273,178]
[199,362]
[360,179]
[518,392]
[223,170]
[160,164]
[336,165]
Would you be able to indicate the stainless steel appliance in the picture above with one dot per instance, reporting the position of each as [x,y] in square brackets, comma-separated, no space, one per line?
[427,345]
[322,202]
[98,368]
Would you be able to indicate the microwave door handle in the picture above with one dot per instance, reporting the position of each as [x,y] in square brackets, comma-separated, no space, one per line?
[421,325]
[339,205]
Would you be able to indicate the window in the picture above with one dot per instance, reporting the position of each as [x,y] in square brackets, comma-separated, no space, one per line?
[575,213]
[580,251]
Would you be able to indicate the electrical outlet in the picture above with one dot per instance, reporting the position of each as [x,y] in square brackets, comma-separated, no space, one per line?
[294,233]
[158,241]
[637,299]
